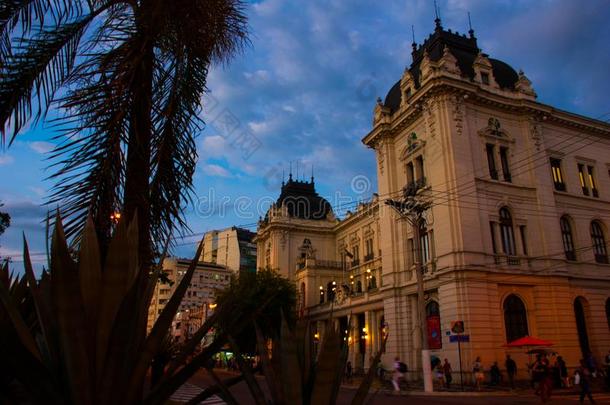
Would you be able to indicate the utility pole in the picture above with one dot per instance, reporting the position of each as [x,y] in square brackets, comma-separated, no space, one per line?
[412,208]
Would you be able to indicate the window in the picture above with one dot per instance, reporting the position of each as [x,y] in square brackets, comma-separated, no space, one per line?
[523,234]
[608,312]
[504,162]
[492,229]
[369,249]
[410,173]
[592,181]
[491,162]
[507,233]
[558,181]
[599,243]
[515,318]
[356,253]
[581,176]
[485,78]
[567,239]
[419,167]
[359,286]
[425,249]
[433,321]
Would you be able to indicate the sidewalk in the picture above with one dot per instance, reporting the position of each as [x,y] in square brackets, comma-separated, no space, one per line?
[416,388]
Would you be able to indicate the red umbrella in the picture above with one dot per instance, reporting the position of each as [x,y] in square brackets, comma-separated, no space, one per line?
[529,341]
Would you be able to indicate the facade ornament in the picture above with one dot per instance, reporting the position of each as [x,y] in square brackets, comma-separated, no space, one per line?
[448,62]
[524,85]
[429,108]
[535,125]
[379,148]
[283,239]
[458,113]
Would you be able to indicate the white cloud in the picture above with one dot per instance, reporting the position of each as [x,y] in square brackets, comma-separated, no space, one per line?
[6,160]
[216,170]
[41,146]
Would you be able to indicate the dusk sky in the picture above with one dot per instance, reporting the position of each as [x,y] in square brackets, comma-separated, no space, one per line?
[305,91]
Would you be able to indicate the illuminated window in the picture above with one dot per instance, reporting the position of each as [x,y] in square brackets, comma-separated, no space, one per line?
[592,184]
[582,177]
[558,181]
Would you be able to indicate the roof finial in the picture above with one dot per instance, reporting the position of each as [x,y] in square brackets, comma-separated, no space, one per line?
[283,177]
[290,173]
[470,31]
[437,14]
[297,169]
[413,44]
[312,173]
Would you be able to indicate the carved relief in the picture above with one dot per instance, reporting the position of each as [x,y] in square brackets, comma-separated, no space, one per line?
[428,109]
[283,239]
[536,131]
[458,114]
[379,148]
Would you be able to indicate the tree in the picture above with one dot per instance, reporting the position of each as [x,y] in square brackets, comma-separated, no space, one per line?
[5,220]
[127,78]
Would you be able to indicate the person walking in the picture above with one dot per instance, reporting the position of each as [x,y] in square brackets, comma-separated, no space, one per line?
[541,376]
[398,373]
[585,382]
[511,370]
[447,372]
[348,372]
[477,372]
[495,375]
[563,372]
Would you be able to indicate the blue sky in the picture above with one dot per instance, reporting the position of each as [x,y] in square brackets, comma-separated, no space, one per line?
[305,90]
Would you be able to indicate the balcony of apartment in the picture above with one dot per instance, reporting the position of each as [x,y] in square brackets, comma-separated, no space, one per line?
[369,257]
[415,186]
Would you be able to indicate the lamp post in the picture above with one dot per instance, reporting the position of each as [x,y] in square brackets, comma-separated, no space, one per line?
[412,208]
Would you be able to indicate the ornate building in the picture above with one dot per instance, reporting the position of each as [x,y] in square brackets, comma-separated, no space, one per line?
[515,241]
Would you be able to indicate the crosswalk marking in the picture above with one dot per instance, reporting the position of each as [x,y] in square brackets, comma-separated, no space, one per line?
[189,391]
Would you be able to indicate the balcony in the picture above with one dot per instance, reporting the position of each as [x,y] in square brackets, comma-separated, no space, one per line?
[318,264]
[369,257]
[414,186]
[509,260]
[355,263]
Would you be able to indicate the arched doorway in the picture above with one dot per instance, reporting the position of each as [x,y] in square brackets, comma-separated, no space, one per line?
[433,321]
[581,325]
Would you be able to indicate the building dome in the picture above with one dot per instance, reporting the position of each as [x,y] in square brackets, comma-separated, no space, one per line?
[464,49]
[301,200]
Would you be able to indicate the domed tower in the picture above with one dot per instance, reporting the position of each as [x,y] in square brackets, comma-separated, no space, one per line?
[297,227]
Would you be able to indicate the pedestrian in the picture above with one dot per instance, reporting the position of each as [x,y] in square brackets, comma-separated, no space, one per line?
[447,373]
[584,380]
[511,370]
[348,371]
[563,372]
[440,375]
[541,377]
[495,374]
[477,371]
[399,369]
[555,372]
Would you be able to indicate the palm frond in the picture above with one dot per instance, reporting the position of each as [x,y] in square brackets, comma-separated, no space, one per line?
[33,73]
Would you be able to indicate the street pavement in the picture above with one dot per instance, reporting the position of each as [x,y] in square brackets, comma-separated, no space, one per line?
[379,396]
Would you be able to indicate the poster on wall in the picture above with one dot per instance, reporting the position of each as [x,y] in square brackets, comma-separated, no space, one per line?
[435,340]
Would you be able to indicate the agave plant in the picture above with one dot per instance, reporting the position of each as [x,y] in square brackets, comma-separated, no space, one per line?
[291,373]
[78,335]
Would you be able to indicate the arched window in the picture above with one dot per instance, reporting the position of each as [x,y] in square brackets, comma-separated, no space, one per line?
[566,237]
[433,323]
[599,243]
[373,282]
[507,232]
[608,312]
[515,318]
[359,286]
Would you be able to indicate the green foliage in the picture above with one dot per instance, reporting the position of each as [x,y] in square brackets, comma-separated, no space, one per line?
[127,78]
[5,220]
[294,376]
[77,335]
[266,287]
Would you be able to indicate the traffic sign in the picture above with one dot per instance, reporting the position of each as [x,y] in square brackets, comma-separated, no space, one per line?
[459,338]
[457,326]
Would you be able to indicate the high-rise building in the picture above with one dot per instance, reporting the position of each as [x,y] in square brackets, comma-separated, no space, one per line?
[231,247]
[514,242]
[201,293]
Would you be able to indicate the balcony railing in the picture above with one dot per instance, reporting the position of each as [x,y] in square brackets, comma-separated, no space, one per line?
[510,260]
[318,264]
[355,262]
[369,257]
